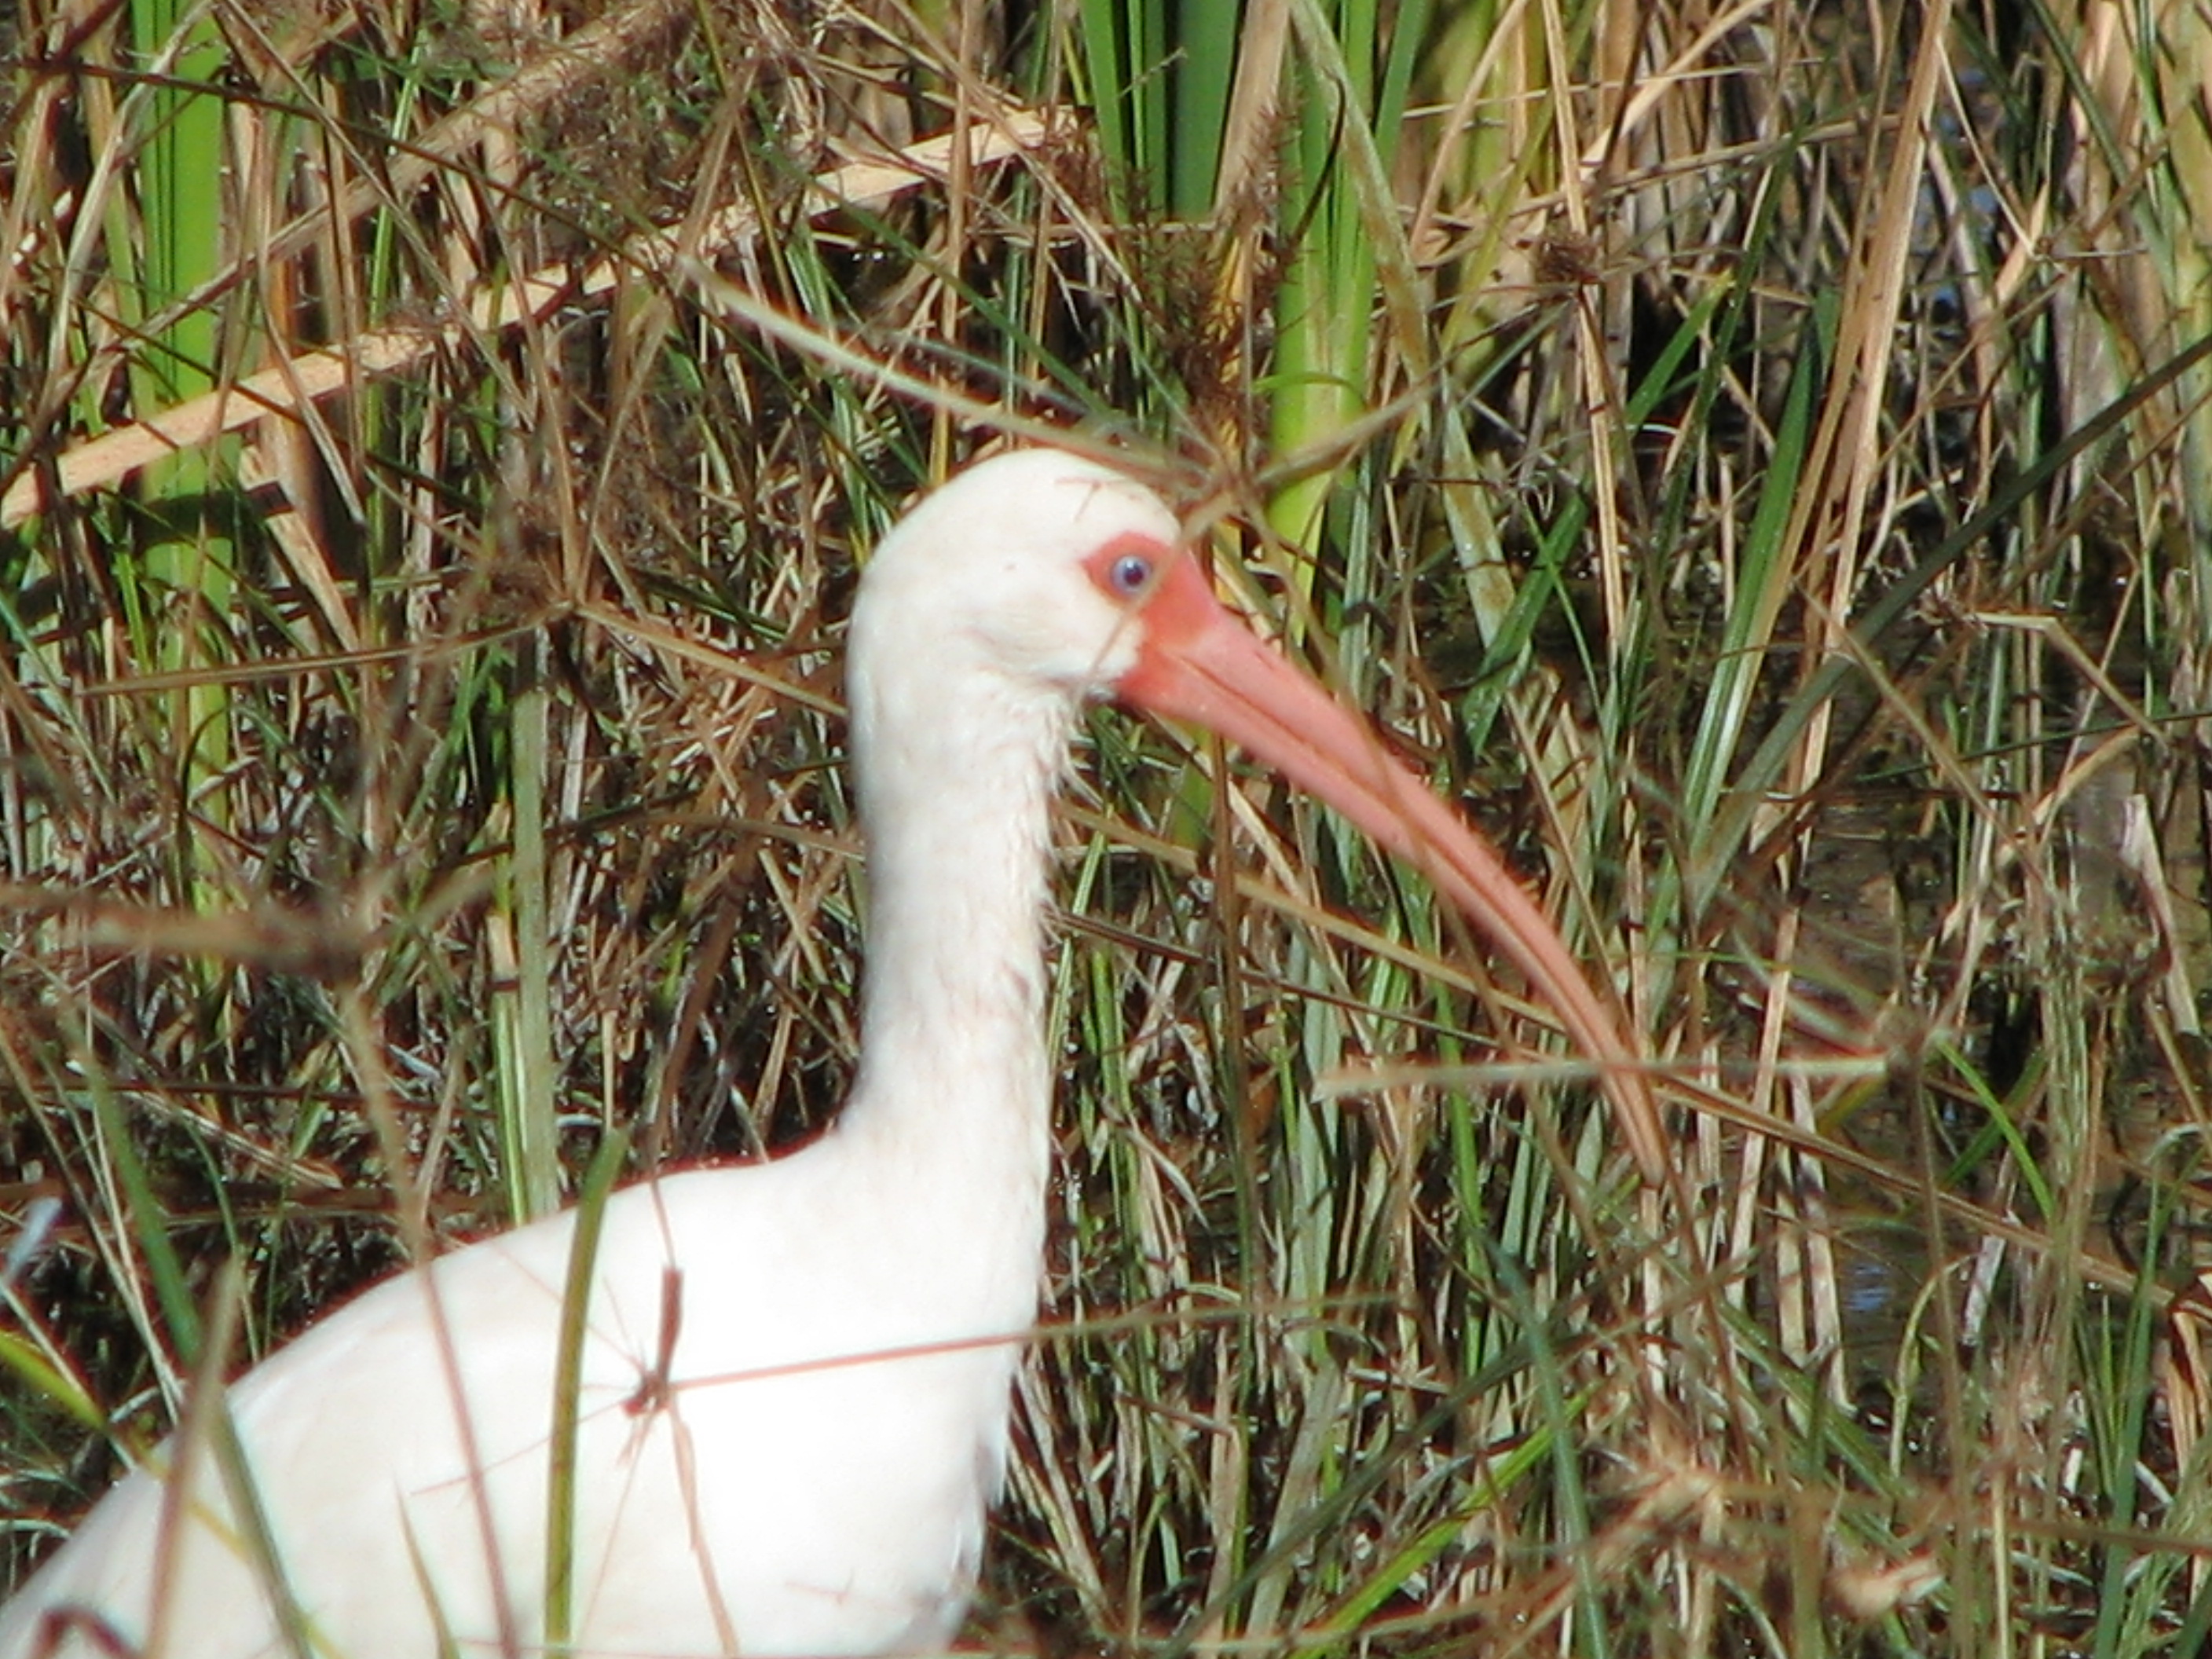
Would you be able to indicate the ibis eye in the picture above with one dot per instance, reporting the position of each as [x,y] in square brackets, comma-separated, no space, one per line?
[1129,574]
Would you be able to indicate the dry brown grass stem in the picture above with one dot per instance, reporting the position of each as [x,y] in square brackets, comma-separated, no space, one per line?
[303,378]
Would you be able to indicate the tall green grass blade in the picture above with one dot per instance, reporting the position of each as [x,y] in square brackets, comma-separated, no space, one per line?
[1765,577]
[561,1493]
[522,1009]
[1204,77]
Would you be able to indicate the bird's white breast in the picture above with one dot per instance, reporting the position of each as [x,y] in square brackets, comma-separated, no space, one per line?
[797,1488]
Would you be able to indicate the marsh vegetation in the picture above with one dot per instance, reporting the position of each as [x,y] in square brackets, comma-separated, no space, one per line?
[1758,459]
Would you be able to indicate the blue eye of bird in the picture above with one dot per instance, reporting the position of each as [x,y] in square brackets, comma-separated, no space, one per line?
[1129,574]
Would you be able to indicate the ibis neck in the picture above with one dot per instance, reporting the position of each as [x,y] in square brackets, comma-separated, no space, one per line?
[955,792]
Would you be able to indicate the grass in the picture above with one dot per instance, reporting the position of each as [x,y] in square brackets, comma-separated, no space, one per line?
[1756,462]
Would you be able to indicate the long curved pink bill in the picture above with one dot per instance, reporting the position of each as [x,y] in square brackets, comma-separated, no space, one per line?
[1197,664]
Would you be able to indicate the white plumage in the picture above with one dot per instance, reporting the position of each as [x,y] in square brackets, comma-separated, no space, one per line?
[812,1476]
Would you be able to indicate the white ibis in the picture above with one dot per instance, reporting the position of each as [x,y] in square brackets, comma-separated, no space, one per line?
[808,1469]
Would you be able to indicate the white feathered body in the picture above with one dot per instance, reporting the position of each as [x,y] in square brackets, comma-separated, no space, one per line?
[732,1512]
[815,1476]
